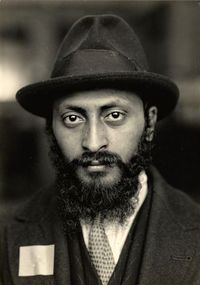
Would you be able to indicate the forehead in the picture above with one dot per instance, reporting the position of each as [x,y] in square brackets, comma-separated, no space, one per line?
[98,98]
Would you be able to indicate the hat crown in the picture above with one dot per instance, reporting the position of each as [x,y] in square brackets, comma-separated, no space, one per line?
[100,33]
[100,51]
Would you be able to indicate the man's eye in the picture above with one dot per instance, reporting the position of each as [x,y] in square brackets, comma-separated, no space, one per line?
[72,120]
[115,117]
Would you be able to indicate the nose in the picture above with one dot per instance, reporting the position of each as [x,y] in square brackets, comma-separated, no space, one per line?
[94,137]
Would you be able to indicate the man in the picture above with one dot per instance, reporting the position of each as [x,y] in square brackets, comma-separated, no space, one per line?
[110,218]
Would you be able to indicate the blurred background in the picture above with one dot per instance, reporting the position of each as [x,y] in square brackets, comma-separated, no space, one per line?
[30,33]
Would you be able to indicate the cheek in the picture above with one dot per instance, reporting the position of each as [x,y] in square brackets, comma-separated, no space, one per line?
[69,147]
[68,142]
[125,141]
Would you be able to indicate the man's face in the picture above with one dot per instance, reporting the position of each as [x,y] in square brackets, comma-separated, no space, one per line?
[96,121]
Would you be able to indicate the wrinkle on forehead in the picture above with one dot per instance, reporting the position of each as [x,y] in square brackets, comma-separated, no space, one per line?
[98,98]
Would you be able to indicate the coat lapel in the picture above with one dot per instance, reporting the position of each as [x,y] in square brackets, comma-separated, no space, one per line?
[171,242]
[41,228]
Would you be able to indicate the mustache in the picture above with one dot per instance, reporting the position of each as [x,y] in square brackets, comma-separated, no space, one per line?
[103,157]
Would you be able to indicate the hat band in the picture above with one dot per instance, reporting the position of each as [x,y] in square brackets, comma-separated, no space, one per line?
[93,61]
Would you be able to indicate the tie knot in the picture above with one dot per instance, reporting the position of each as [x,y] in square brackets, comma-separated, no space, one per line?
[98,220]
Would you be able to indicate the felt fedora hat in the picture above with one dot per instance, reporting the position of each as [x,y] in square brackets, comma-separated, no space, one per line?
[100,51]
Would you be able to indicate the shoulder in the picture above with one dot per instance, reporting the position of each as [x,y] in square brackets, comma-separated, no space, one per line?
[178,203]
[30,209]
[38,208]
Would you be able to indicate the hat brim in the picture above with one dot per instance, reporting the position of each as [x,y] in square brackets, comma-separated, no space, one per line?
[155,89]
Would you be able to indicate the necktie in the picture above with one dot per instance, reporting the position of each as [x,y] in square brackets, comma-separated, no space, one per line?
[100,252]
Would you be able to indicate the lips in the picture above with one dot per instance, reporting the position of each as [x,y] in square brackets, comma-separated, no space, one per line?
[96,166]
[95,163]
[103,158]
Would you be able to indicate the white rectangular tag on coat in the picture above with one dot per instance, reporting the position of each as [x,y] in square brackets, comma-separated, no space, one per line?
[36,260]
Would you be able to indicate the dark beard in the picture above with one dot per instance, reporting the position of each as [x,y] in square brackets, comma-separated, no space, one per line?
[77,200]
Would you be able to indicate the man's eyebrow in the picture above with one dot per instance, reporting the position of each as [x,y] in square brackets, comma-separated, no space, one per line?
[76,109]
[111,105]
[83,112]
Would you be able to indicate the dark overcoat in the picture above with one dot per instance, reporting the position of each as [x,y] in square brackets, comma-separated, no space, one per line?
[171,255]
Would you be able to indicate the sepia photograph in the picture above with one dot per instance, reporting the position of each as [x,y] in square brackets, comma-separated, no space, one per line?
[99,142]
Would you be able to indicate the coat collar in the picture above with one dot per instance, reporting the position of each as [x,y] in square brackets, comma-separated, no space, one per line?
[171,248]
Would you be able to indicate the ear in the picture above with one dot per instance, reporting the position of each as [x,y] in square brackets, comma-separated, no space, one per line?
[151,122]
